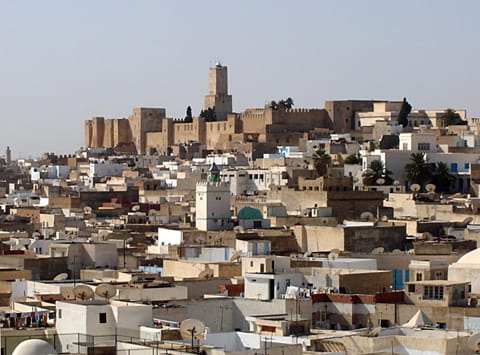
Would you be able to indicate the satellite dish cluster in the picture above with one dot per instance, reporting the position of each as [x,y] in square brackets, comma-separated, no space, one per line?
[84,292]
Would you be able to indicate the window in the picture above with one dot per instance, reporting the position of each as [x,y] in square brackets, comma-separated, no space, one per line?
[102,317]
[257,224]
[466,166]
[59,313]
[424,146]
[433,292]
[411,288]
[454,168]
[419,276]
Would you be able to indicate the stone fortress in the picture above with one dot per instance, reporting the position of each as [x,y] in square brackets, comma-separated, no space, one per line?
[255,131]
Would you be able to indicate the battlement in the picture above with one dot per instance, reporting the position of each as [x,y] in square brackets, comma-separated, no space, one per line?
[219,185]
[294,110]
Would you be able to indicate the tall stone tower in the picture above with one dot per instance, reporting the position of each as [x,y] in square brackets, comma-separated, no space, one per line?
[218,96]
[8,155]
[213,203]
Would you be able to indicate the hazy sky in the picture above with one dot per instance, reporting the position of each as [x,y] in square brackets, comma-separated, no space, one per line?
[62,62]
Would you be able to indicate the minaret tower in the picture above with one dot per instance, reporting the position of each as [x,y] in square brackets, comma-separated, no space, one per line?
[213,203]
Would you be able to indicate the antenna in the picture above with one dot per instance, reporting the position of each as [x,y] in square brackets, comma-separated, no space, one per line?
[375,332]
[332,255]
[378,250]
[83,292]
[235,256]
[415,187]
[106,291]
[192,329]
[205,274]
[369,216]
[427,236]
[474,342]
[136,208]
[61,277]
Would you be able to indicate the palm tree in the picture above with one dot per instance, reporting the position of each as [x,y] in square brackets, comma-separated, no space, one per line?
[442,178]
[418,171]
[377,171]
[321,161]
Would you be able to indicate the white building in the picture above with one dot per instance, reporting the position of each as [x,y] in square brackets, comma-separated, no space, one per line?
[213,203]
[84,324]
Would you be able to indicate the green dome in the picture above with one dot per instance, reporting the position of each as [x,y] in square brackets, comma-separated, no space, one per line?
[249,213]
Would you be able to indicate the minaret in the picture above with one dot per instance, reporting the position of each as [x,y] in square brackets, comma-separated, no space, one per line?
[213,203]
[8,155]
[218,96]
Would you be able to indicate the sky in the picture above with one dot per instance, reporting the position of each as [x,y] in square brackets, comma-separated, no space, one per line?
[63,62]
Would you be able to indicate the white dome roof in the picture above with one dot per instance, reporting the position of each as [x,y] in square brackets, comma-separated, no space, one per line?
[472,257]
[34,347]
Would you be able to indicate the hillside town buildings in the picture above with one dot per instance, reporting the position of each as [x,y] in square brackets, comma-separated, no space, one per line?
[337,229]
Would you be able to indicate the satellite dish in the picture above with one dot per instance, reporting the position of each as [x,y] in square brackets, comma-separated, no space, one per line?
[83,292]
[332,255]
[427,236]
[61,277]
[474,342]
[136,208]
[430,188]
[235,256]
[415,187]
[106,291]
[200,239]
[396,182]
[87,209]
[378,250]
[192,329]
[465,222]
[205,274]
[218,237]
[369,216]
[380,181]
[397,251]
[375,332]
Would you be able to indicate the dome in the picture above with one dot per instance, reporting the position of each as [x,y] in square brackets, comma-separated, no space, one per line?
[249,213]
[472,257]
[34,347]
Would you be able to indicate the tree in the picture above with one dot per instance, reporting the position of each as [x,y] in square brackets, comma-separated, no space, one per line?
[209,114]
[450,117]
[289,102]
[281,104]
[376,171]
[321,161]
[418,171]
[442,178]
[405,110]
[351,159]
[188,116]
